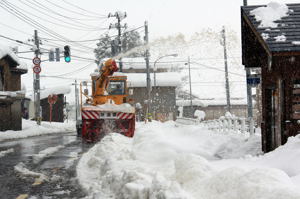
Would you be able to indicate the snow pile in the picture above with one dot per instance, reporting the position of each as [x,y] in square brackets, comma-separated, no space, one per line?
[199,114]
[288,155]
[30,128]
[267,15]
[280,38]
[4,153]
[165,160]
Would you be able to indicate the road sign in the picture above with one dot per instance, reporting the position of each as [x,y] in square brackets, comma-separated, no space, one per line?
[253,80]
[36,61]
[51,100]
[37,69]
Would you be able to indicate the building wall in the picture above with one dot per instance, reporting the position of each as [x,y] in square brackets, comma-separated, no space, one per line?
[10,115]
[10,107]
[163,105]
[57,109]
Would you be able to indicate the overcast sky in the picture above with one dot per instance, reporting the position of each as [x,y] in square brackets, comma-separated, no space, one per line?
[166,17]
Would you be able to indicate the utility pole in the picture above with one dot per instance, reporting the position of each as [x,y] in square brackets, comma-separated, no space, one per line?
[76,101]
[226,70]
[147,55]
[36,83]
[119,16]
[190,81]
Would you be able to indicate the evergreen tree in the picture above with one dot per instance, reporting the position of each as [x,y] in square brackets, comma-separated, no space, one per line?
[108,46]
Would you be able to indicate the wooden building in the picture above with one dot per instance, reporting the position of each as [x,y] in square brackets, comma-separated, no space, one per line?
[58,107]
[276,51]
[10,90]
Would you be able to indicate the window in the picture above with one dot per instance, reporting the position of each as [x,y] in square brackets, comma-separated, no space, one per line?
[116,88]
[296,100]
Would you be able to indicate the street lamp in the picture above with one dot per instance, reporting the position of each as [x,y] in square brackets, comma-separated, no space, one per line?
[155,68]
[154,74]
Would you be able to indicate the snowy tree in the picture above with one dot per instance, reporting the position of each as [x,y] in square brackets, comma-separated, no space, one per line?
[103,48]
[108,46]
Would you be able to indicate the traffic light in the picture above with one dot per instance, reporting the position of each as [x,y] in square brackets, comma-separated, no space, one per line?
[67,54]
[51,55]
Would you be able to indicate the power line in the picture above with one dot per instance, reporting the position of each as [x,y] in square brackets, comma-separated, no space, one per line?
[13,28]
[96,39]
[80,8]
[80,13]
[76,20]
[10,8]
[65,25]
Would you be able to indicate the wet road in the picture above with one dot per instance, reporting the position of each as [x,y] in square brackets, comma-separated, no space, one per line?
[59,167]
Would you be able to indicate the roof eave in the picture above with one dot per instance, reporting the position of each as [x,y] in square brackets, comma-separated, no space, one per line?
[260,39]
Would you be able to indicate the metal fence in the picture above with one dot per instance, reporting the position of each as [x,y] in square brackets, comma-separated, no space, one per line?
[223,124]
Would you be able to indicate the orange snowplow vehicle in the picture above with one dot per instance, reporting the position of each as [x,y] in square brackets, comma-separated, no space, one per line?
[107,109]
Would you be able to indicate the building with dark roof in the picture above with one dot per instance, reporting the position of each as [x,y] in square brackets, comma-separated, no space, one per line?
[10,90]
[275,48]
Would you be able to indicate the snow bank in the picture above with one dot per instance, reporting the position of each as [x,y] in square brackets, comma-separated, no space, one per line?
[30,128]
[165,160]
[272,12]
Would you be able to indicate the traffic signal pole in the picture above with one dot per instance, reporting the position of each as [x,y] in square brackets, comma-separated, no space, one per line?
[36,82]
[249,94]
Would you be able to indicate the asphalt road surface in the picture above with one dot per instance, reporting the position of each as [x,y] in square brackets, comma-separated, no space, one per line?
[41,167]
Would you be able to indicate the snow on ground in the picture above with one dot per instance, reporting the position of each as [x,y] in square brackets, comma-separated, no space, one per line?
[4,153]
[167,160]
[30,128]
[23,171]
[48,152]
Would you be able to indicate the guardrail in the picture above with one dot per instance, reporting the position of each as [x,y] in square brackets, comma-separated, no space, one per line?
[187,121]
[223,124]
[231,123]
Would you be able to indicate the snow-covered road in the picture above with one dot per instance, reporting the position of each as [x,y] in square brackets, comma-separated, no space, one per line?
[167,160]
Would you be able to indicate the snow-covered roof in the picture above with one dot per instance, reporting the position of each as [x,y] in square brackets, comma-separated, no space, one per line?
[52,91]
[171,79]
[6,51]
[211,102]
[140,63]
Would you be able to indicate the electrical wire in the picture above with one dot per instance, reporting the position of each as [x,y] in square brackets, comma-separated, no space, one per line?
[73,25]
[96,39]
[80,13]
[80,8]
[76,20]
[7,6]
[13,28]
[65,25]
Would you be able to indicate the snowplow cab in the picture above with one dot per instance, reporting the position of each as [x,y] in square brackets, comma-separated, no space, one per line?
[107,109]
[116,90]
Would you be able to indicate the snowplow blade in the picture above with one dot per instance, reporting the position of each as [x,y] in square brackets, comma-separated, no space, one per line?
[95,124]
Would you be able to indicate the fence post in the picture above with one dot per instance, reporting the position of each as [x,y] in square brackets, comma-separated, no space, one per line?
[251,126]
[243,125]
